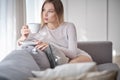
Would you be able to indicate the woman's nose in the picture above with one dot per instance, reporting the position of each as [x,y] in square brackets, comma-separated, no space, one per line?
[46,14]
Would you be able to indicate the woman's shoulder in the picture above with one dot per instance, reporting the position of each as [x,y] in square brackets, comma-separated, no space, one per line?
[69,23]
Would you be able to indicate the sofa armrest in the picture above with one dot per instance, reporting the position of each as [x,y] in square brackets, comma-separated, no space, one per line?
[100,51]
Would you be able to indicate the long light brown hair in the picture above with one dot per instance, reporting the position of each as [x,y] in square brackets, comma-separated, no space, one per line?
[58,9]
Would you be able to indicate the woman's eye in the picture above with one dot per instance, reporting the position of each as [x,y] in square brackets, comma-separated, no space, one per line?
[50,11]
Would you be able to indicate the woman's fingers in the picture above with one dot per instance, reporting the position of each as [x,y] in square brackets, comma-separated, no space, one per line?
[44,47]
[38,42]
[41,46]
[25,30]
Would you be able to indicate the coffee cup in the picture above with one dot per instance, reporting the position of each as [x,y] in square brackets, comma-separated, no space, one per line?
[34,27]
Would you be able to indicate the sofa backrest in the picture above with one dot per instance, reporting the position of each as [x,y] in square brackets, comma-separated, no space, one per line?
[100,51]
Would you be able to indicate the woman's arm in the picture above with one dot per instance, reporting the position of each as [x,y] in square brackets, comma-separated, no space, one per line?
[71,51]
[72,39]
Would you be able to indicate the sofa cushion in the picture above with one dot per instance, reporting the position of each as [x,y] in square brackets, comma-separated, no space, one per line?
[108,66]
[100,75]
[17,66]
[118,75]
[3,78]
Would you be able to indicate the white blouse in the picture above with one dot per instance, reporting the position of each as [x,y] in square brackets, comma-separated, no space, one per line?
[63,37]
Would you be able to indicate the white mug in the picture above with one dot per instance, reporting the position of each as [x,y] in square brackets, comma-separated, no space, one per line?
[34,27]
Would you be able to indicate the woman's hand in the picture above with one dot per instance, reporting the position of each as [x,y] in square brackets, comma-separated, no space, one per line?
[41,45]
[25,31]
[24,34]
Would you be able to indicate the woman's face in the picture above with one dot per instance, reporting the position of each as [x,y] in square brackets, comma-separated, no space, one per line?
[49,14]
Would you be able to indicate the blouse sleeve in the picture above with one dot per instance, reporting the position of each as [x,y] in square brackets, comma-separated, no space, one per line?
[72,40]
[71,51]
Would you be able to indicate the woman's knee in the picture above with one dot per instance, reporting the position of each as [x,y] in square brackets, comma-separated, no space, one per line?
[81,58]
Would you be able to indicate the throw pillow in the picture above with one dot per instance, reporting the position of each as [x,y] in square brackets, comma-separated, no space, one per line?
[67,70]
[102,75]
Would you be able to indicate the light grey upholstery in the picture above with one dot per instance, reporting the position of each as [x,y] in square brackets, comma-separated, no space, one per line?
[100,51]
[19,64]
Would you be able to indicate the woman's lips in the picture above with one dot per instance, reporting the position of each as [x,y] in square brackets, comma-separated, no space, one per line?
[46,19]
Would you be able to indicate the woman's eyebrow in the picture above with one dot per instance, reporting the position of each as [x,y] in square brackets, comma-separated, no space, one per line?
[50,9]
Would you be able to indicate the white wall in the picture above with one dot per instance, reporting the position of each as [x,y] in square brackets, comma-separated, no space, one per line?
[96,17]
[33,11]
[77,15]
[95,20]
[65,4]
[89,17]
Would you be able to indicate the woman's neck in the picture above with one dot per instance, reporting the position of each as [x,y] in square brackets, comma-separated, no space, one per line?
[52,25]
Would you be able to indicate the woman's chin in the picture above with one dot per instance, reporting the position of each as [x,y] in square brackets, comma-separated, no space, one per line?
[46,21]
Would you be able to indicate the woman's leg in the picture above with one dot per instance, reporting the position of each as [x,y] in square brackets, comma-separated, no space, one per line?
[81,58]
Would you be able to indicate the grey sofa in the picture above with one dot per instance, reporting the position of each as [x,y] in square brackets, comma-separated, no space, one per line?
[19,66]
[101,51]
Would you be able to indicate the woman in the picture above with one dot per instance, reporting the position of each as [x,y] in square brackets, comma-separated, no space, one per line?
[60,34]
